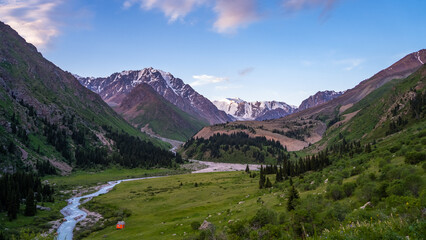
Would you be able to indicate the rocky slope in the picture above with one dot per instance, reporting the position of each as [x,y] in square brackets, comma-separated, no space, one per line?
[264,110]
[115,88]
[319,98]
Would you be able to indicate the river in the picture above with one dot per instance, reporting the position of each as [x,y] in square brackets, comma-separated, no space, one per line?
[73,214]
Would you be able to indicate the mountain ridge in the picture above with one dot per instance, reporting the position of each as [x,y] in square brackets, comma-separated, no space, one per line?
[114,88]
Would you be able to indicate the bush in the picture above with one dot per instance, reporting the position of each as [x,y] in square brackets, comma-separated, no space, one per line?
[239,229]
[415,157]
[367,192]
[413,183]
[348,188]
[195,225]
[335,192]
[264,216]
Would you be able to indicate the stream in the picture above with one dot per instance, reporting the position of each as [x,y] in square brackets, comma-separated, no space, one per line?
[73,214]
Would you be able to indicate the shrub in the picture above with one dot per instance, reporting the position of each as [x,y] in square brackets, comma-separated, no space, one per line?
[366,192]
[348,188]
[415,157]
[396,187]
[335,192]
[195,225]
[413,183]
[239,229]
[264,216]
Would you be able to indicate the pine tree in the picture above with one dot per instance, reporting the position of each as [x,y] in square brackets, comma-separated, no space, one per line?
[247,169]
[268,183]
[30,206]
[292,198]
[262,178]
[12,205]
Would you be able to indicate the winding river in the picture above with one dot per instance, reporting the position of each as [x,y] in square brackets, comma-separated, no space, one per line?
[73,214]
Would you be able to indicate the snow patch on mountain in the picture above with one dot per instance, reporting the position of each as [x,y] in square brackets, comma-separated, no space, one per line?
[243,110]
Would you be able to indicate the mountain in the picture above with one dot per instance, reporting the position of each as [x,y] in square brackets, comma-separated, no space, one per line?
[399,70]
[318,99]
[47,116]
[144,107]
[115,88]
[396,110]
[304,128]
[264,110]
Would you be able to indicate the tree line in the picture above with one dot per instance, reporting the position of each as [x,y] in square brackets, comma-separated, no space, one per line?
[22,188]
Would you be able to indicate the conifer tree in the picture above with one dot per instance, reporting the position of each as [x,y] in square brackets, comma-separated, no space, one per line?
[262,178]
[292,198]
[30,206]
[268,183]
[247,169]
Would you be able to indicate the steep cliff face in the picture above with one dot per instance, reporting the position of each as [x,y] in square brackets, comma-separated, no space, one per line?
[115,88]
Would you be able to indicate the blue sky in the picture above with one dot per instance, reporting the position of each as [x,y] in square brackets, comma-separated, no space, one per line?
[280,50]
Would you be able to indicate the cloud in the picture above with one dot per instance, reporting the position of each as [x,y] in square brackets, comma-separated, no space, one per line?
[349,63]
[234,14]
[246,71]
[172,9]
[206,79]
[32,19]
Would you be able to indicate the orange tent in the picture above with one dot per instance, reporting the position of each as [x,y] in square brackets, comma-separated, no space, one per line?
[120,225]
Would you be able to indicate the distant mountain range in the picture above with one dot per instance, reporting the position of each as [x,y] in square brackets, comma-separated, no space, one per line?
[243,110]
[267,110]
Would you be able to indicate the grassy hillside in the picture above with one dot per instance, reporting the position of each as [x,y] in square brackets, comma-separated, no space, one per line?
[145,107]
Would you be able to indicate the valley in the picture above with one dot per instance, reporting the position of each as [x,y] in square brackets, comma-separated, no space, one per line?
[146,149]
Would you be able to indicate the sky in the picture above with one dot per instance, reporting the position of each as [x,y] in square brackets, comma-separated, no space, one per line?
[257,50]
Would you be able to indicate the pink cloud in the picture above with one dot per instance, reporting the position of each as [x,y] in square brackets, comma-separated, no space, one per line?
[234,14]
[32,19]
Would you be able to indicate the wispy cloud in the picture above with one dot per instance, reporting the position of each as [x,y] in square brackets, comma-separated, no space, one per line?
[296,5]
[246,71]
[32,19]
[234,14]
[350,63]
[172,9]
[231,15]
[206,79]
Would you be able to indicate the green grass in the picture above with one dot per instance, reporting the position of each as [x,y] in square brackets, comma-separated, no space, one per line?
[89,178]
[161,207]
